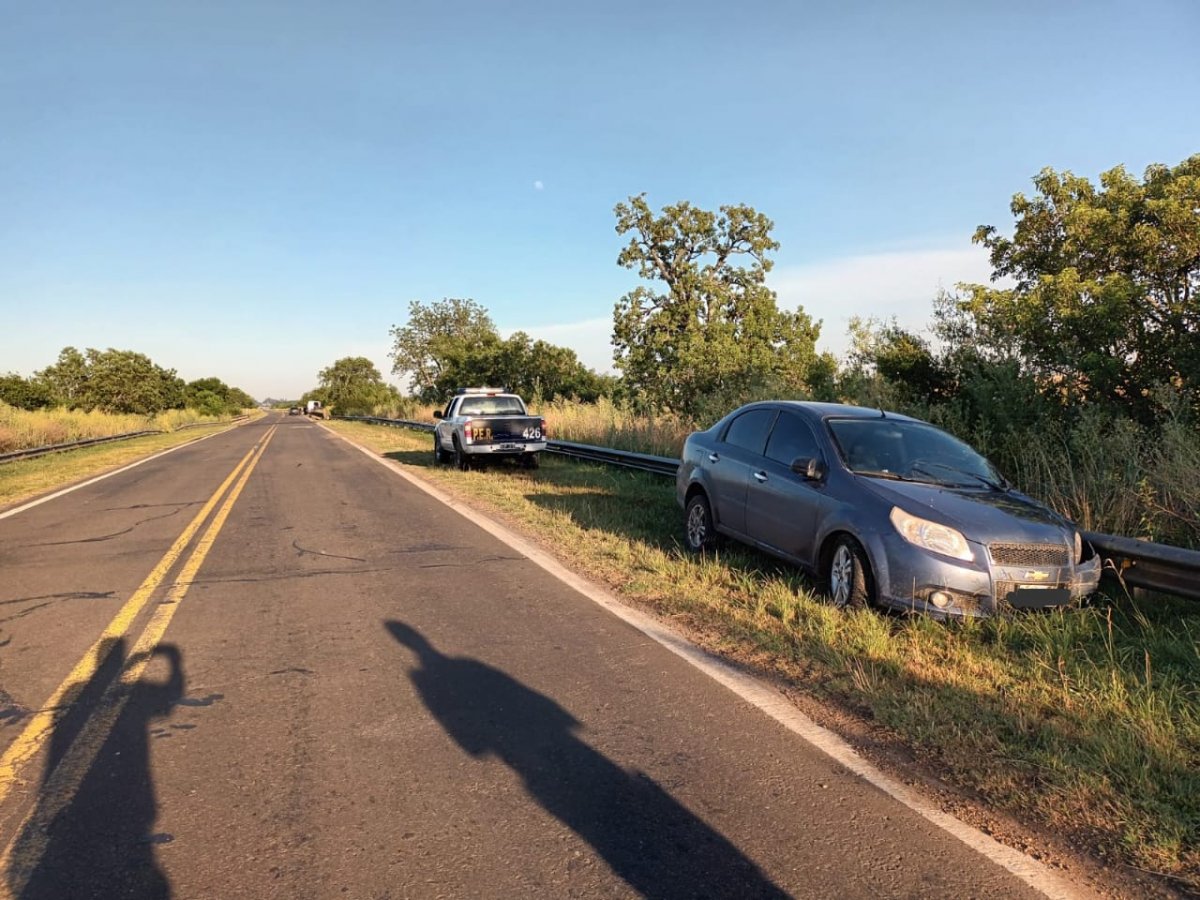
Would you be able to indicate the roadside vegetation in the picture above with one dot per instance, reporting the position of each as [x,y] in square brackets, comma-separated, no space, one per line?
[22,429]
[23,479]
[1083,721]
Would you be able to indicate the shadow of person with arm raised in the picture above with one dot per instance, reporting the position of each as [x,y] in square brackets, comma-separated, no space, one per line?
[647,837]
[91,835]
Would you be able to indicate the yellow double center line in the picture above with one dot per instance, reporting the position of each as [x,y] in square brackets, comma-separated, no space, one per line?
[21,855]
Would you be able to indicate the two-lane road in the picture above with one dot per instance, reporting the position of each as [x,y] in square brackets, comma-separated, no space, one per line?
[265,666]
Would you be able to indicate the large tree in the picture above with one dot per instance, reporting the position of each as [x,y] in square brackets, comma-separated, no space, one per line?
[213,397]
[123,381]
[118,381]
[454,343]
[437,337]
[1105,304]
[712,327]
[353,387]
[67,378]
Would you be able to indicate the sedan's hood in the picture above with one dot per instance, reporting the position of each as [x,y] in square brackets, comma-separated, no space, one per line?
[980,514]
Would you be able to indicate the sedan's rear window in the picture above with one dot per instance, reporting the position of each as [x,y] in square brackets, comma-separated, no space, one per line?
[749,430]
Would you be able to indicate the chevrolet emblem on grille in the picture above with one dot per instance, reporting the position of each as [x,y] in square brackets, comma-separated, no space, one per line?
[1036,576]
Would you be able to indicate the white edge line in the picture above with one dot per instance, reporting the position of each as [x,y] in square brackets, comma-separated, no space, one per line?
[133,465]
[1027,869]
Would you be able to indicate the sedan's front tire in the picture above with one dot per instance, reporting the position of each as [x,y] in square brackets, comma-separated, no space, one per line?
[848,575]
[698,529]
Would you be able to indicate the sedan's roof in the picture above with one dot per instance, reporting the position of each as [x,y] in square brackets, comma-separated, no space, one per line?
[816,410]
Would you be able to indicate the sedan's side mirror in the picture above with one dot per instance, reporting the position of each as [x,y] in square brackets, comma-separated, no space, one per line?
[437,413]
[810,468]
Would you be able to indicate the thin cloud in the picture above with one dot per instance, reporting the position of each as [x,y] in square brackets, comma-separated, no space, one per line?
[538,186]
[898,284]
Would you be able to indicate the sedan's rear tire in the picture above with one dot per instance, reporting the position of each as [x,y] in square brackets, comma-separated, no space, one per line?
[698,530]
[848,575]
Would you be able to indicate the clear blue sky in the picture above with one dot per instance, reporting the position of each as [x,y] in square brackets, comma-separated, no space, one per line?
[253,190]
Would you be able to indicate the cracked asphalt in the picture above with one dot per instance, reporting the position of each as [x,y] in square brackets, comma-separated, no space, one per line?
[362,694]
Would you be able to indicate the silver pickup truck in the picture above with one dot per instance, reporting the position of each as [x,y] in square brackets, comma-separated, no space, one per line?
[481,424]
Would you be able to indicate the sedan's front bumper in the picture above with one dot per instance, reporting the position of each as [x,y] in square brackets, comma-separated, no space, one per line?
[910,578]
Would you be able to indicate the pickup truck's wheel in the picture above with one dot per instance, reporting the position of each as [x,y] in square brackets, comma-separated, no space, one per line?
[698,525]
[530,460]
[461,459]
[439,455]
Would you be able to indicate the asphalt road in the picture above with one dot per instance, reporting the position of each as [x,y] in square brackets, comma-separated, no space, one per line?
[339,687]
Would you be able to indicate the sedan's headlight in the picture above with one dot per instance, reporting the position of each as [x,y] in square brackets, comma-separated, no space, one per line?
[930,535]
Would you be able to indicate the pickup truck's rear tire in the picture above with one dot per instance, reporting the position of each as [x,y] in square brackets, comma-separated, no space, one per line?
[530,460]
[461,459]
[439,455]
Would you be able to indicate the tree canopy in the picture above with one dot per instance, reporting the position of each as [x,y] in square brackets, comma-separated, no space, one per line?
[353,386]
[213,397]
[454,343]
[1105,305]
[712,329]
[117,381]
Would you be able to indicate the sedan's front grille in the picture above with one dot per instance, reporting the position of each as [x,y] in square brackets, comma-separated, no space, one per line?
[1030,554]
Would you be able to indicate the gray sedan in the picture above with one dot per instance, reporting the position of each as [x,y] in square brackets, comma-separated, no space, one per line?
[883,508]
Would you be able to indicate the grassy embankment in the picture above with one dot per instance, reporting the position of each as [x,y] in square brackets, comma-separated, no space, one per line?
[20,429]
[1084,722]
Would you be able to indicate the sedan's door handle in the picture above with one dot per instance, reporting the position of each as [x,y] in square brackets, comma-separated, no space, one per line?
[760,477]
[714,457]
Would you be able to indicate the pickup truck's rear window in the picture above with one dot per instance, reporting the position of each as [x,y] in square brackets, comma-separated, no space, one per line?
[491,406]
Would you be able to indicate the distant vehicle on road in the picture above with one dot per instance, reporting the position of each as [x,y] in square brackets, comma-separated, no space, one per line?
[316,409]
[482,424]
[294,411]
[883,508]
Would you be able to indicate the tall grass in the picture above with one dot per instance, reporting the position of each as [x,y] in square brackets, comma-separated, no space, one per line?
[610,424]
[22,429]
[1108,474]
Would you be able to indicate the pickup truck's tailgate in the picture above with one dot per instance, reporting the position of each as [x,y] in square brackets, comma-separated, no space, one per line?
[509,429]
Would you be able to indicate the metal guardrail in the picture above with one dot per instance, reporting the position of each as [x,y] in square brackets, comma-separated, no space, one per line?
[1141,564]
[1154,567]
[30,452]
[659,465]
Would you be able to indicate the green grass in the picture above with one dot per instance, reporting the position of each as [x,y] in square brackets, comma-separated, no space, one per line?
[24,479]
[1084,721]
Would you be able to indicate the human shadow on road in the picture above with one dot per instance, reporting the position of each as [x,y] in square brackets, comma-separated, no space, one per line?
[97,840]
[647,837]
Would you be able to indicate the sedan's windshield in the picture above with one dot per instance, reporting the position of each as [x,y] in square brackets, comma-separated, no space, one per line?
[892,448]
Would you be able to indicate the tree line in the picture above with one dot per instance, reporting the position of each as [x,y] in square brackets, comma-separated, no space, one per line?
[118,381]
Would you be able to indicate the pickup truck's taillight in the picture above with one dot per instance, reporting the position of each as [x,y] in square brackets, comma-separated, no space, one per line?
[545,430]
[469,432]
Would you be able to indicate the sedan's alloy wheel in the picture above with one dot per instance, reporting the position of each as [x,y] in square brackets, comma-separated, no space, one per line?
[697,526]
[841,575]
